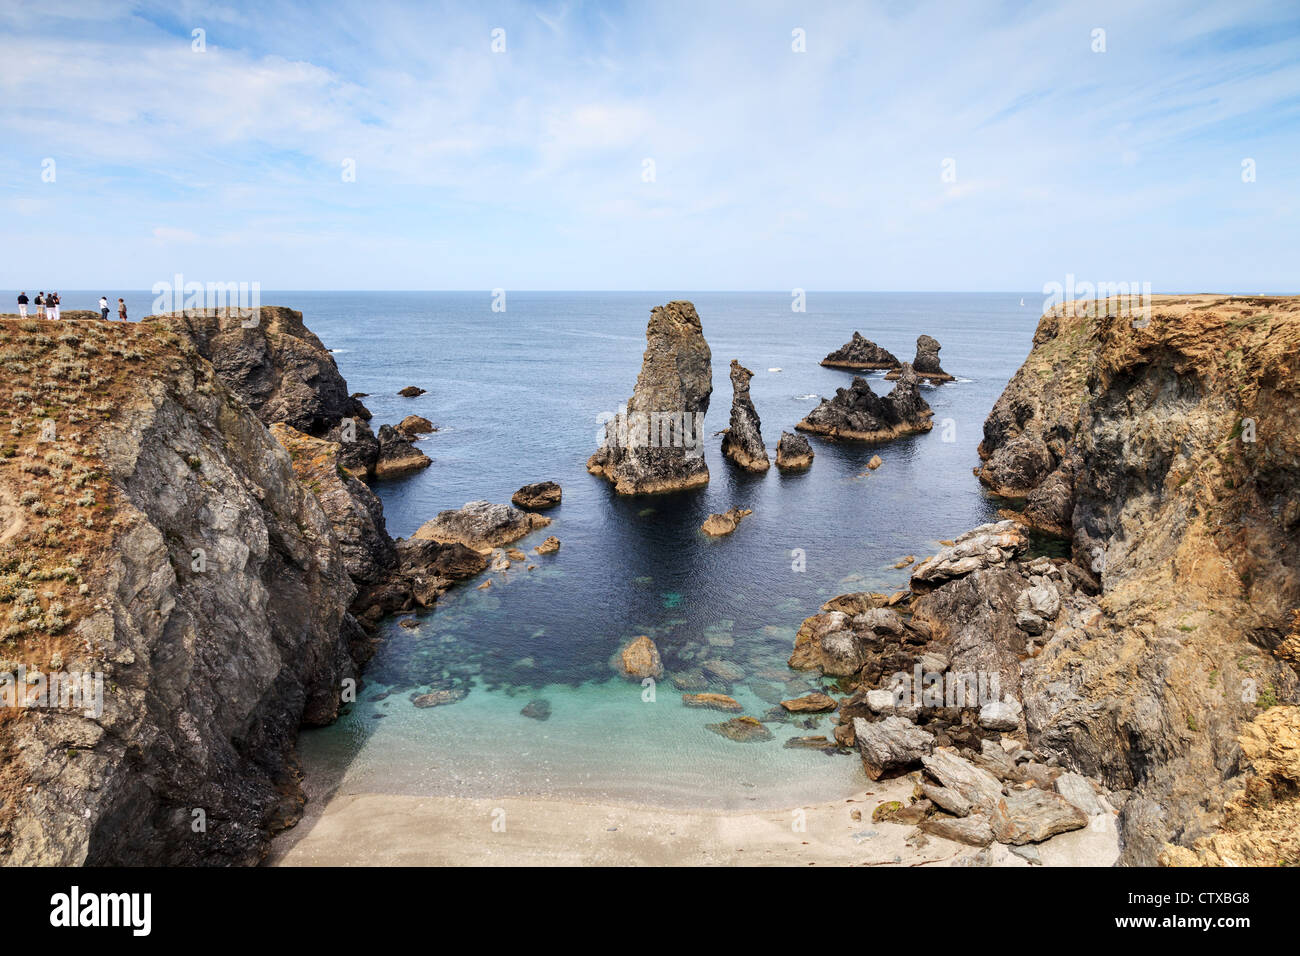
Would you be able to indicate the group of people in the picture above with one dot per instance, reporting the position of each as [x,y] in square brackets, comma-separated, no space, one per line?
[47,306]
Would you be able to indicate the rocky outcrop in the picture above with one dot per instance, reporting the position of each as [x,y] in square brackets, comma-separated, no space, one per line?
[926,363]
[412,426]
[215,609]
[793,453]
[481,525]
[988,546]
[860,353]
[397,455]
[857,413]
[717,525]
[656,443]
[640,659]
[537,497]
[742,442]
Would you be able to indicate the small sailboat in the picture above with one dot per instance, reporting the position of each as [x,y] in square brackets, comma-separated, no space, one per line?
[1022,301]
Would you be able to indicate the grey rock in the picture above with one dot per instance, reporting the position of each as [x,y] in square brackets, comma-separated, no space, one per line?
[979,787]
[970,830]
[742,442]
[859,414]
[481,525]
[1076,789]
[890,745]
[793,453]
[1033,815]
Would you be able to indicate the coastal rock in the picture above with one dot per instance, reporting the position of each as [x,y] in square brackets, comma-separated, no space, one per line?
[949,800]
[808,743]
[1000,715]
[875,462]
[1076,789]
[712,702]
[440,698]
[977,787]
[742,442]
[716,525]
[814,703]
[861,353]
[857,413]
[793,453]
[410,391]
[926,362]
[970,830]
[537,497]
[640,659]
[743,730]
[398,455]
[481,525]
[657,443]
[989,545]
[890,745]
[549,546]
[414,425]
[724,671]
[1033,815]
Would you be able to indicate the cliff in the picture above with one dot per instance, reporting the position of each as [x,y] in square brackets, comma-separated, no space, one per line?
[155,536]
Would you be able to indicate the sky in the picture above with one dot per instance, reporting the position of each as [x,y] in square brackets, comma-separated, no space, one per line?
[945,146]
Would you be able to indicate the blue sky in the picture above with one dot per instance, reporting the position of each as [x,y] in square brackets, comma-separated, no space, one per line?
[773,169]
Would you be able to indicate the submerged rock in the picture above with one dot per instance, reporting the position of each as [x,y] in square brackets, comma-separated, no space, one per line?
[438,698]
[793,453]
[481,525]
[742,442]
[539,709]
[537,497]
[716,525]
[640,659]
[857,413]
[656,443]
[712,702]
[926,362]
[743,730]
[860,353]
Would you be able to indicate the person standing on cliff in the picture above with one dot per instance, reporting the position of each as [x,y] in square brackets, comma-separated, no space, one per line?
[22,305]
[52,305]
[40,305]
[121,310]
[103,307]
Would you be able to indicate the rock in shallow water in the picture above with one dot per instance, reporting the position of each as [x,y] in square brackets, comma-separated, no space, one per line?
[481,525]
[539,709]
[640,659]
[536,497]
[712,702]
[743,730]
[859,414]
[793,453]
[717,525]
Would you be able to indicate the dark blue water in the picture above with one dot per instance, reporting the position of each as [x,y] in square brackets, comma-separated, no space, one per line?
[517,396]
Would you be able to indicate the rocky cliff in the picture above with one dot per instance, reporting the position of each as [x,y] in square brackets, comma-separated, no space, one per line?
[656,443]
[156,538]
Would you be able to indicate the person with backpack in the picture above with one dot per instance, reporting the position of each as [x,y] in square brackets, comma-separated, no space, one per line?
[103,307]
[22,305]
[121,310]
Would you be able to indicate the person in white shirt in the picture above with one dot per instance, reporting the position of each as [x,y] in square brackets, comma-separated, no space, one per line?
[52,305]
[103,307]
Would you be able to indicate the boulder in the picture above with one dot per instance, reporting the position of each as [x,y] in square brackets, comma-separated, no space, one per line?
[413,425]
[398,455]
[481,525]
[742,442]
[410,391]
[1078,792]
[989,545]
[537,497]
[744,730]
[549,546]
[1000,715]
[857,413]
[656,443]
[716,525]
[926,362]
[861,353]
[793,453]
[814,703]
[890,745]
[949,800]
[970,830]
[640,659]
[977,787]
[1033,815]
[712,702]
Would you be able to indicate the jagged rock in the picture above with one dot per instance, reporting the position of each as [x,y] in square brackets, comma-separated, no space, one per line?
[358,447]
[549,546]
[949,800]
[398,455]
[857,413]
[656,444]
[481,525]
[826,642]
[989,545]
[978,787]
[712,702]
[926,362]
[413,425]
[793,453]
[970,830]
[537,497]
[810,703]
[743,730]
[1033,815]
[410,391]
[640,659]
[716,525]
[742,442]
[890,745]
[860,353]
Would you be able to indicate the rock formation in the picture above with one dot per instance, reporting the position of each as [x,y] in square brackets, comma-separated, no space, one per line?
[412,426]
[716,525]
[860,353]
[640,659]
[537,497]
[793,453]
[926,362]
[656,443]
[481,525]
[859,414]
[398,455]
[742,442]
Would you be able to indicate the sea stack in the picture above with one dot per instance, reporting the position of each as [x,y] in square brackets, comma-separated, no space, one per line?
[860,353]
[656,442]
[742,442]
[926,362]
[793,453]
[859,414]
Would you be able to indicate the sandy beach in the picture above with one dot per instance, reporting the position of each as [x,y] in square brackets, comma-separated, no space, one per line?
[367,829]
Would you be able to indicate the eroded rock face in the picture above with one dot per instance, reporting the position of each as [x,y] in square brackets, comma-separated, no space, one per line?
[742,442]
[537,497]
[656,444]
[481,525]
[793,453]
[926,362]
[859,414]
[861,353]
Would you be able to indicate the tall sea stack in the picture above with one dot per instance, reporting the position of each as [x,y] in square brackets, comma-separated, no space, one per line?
[743,440]
[656,442]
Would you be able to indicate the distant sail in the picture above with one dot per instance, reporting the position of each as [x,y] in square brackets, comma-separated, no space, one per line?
[1022,301]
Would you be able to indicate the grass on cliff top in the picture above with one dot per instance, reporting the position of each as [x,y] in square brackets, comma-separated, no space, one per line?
[59,382]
